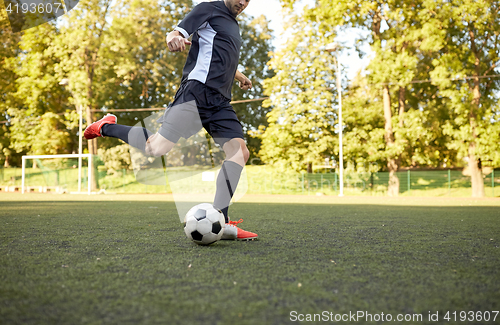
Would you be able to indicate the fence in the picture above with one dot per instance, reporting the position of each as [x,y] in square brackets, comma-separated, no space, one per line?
[411,183]
[266,180]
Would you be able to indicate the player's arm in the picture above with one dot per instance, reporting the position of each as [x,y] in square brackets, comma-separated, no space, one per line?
[245,83]
[176,41]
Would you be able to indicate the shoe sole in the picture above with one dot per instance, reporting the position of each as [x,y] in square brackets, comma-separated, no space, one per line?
[241,239]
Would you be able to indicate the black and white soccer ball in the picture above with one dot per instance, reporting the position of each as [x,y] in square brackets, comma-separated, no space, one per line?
[204,224]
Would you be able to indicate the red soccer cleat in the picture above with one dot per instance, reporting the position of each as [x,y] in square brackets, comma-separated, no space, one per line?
[232,232]
[94,129]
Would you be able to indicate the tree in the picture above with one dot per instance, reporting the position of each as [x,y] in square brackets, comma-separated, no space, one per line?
[469,36]
[146,74]
[364,142]
[41,120]
[79,49]
[139,71]
[404,48]
[256,46]
[392,38]
[106,66]
[301,127]
[9,49]
[115,55]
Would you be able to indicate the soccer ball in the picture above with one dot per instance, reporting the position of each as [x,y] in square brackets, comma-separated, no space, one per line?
[204,224]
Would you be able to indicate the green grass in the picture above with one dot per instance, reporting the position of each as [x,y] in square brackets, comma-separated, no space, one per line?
[125,260]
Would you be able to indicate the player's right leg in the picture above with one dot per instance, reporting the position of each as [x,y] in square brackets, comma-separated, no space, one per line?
[94,130]
[151,144]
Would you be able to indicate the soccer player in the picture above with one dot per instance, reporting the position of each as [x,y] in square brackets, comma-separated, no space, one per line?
[207,78]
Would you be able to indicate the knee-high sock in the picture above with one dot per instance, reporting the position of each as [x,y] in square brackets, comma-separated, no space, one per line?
[135,136]
[227,181]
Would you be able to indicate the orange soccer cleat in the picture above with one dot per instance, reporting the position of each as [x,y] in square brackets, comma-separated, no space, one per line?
[232,232]
[94,129]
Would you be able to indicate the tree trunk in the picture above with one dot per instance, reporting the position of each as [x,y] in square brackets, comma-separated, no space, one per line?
[393,189]
[476,174]
[477,182]
[402,100]
[475,170]
[392,164]
[309,168]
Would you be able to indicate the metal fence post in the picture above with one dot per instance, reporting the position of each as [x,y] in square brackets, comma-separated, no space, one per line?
[271,183]
[409,182]
[302,183]
[123,178]
[449,182]
[493,182]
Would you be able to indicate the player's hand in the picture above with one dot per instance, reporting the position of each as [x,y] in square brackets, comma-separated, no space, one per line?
[245,83]
[177,44]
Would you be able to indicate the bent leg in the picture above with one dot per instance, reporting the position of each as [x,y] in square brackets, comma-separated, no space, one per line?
[135,136]
[236,151]
[140,138]
[157,145]
[236,157]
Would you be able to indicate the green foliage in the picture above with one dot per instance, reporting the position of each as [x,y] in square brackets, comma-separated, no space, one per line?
[302,123]
[140,71]
[470,48]
[364,126]
[419,123]
[115,158]
[254,56]
[9,49]
[44,134]
[115,57]
[41,120]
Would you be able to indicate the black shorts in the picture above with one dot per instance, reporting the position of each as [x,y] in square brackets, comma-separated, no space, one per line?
[195,106]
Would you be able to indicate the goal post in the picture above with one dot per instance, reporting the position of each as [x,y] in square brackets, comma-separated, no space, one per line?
[89,169]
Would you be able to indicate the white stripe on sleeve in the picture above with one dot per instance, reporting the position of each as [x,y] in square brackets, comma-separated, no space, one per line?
[182,31]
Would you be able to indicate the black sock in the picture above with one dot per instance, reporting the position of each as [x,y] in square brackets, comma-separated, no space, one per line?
[227,181]
[135,136]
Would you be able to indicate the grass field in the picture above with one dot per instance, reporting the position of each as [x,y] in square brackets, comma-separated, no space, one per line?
[124,259]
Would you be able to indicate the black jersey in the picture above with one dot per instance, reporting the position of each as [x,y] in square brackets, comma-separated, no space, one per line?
[215,50]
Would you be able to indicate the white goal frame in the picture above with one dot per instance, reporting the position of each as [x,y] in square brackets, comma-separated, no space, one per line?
[80,156]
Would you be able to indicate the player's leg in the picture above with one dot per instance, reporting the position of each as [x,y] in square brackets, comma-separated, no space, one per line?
[138,137]
[236,157]
[226,130]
